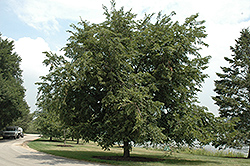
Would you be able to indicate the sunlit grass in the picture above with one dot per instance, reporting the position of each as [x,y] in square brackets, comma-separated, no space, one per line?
[86,151]
[216,153]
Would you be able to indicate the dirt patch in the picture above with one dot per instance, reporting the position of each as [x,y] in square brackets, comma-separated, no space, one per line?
[133,159]
[65,145]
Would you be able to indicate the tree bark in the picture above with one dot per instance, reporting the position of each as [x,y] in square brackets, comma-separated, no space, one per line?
[126,152]
[64,133]
[77,142]
[248,153]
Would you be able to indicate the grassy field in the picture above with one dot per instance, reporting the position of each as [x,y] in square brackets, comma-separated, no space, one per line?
[87,152]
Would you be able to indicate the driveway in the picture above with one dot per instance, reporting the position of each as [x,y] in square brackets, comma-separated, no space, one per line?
[13,153]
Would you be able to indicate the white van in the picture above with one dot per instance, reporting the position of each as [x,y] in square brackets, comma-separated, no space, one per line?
[12,132]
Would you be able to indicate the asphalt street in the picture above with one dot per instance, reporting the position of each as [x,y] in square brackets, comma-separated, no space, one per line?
[13,153]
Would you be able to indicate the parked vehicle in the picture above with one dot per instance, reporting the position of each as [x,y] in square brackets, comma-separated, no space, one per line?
[12,132]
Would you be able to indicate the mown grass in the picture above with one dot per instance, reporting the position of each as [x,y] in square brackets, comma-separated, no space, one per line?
[87,151]
[216,153]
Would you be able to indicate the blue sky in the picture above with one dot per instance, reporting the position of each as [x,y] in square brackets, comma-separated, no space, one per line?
[41,25]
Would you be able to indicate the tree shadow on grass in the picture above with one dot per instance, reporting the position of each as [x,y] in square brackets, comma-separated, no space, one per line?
[188,162]
[113,158]
[160,160]
[235,157]
[47,140]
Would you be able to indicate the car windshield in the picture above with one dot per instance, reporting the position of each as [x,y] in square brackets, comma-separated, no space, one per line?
[10,129]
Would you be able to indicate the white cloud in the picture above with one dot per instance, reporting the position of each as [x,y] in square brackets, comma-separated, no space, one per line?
[30,50]
[224,20]
[45,14]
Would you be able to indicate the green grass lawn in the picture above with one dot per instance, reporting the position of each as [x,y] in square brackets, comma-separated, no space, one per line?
[87,151]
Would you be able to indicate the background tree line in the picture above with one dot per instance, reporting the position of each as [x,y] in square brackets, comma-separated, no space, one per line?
[14,110]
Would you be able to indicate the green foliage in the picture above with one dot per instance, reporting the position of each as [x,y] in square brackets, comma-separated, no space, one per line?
[191,125]
[169,52]
[32,127]
[233,91]
[127,80]
[24,120]
[48,124]
[226,134]
[12,93]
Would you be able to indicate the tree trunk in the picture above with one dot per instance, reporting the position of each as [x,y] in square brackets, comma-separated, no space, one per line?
[50,138]
[126,152]
[248,153]
[77,142]
[64,136]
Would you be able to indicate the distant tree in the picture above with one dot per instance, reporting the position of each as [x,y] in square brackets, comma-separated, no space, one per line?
[48,124]
[31,125]
[12,93]
[233,94]
[130,81]
[24,120]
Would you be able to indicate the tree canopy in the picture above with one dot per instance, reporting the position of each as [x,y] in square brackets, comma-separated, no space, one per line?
[233,89]
[129,81]
[12,93]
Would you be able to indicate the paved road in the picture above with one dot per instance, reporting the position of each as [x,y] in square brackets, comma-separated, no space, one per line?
[13,153]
